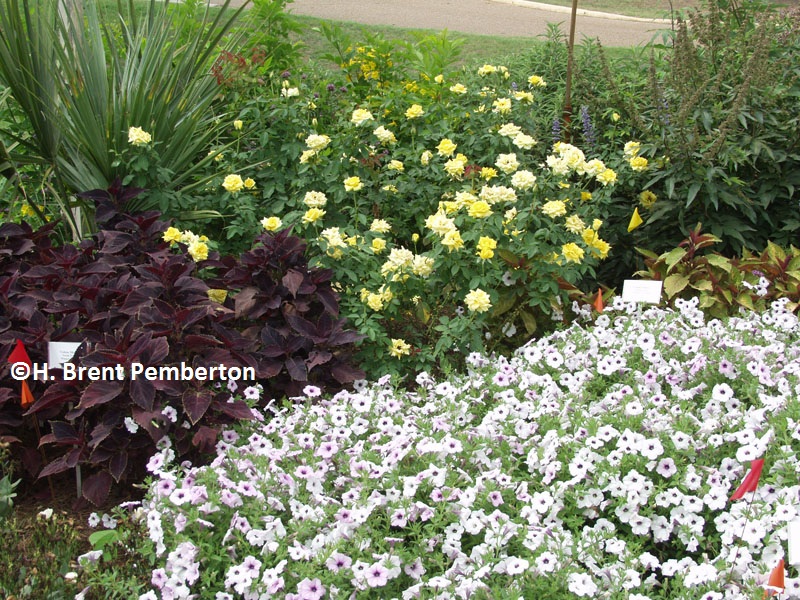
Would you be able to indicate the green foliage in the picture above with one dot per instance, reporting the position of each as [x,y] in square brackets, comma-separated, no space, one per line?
[716,109]
[84,82]
[723,285]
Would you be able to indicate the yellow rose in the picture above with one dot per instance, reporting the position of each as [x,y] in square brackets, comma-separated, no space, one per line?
[452,240]
[607,177]
[172,235]
[138,136]
[647,198]
[536,81]
[233,183]
[317,142]
[271,223]
[315,199]
[574,224]
[375,301]
[479,209]
[353,184]
[380,226]
[198,251]
[638,163]
[458,88]
[361,116]
[237,124]
[425,158]
[378,245]
[313,215]
[572,252]
[249,183]
[399,348]
[478,301]
[446,147]
[395,165]
[554,208]
[414,111]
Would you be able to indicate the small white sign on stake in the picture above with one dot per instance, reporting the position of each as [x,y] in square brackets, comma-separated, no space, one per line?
[60,352]
[794,542]
[635,290]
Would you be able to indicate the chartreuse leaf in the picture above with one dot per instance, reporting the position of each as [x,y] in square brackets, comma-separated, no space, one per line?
[674,284]
[673,257]
[715,260]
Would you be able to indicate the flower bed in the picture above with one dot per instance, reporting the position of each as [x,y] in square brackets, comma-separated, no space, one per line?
[597,462]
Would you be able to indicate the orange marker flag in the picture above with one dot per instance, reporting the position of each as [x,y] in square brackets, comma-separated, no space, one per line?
[776,584]
[750,482]
[26,398]
[598,301]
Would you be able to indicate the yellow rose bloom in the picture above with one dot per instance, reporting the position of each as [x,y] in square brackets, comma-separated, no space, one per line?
[395,165]
[586,196]
[198,251]
[501,106]
[478,301]
[507,163]
[233,183]
[249,183]
[315,199]
[440,223]
[536,81]
[380,226]
[425,158]
[138,136]
[574,224]
[452,240]
[422,266]
[638,163]
[313,215]
[361,116]
[271,223]
[488,173]
[399,348]
[238,124]
[384,135]
[487,70]
[631,149]
[458,88]
[414,111]
[554,208]
[217,295]
[378,245]
[607,177]
[602,247]
[172,235]
[455,167]
[486,246]
[572,252]
[353,184]
[307,155]
[375,301]
[446,147]
[479,209]
[647,198]
[522,96]
[524,141]
[597,224]
[317,142]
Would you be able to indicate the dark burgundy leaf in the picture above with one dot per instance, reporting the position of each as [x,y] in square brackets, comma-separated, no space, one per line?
[296,368]
[99,392]
[236,409]
[205,439]
[293,280]
[344,373]
[143,393]
[118,464]
[196,403]
[244,301]
[317,357]
[97,487]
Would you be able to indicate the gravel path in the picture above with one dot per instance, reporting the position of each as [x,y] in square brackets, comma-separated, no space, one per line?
[518,18]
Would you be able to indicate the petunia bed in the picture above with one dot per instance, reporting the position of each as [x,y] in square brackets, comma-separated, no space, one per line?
[596,462]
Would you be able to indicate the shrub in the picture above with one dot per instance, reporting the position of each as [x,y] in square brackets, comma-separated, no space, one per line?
[129,297]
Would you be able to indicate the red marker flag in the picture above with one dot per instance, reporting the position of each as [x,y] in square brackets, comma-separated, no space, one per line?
[19,354]
[598,301]
[750,482]
[775,585]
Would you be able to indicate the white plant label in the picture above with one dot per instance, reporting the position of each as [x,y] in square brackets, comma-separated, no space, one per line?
[60,352]
[649,292]
[794,542]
